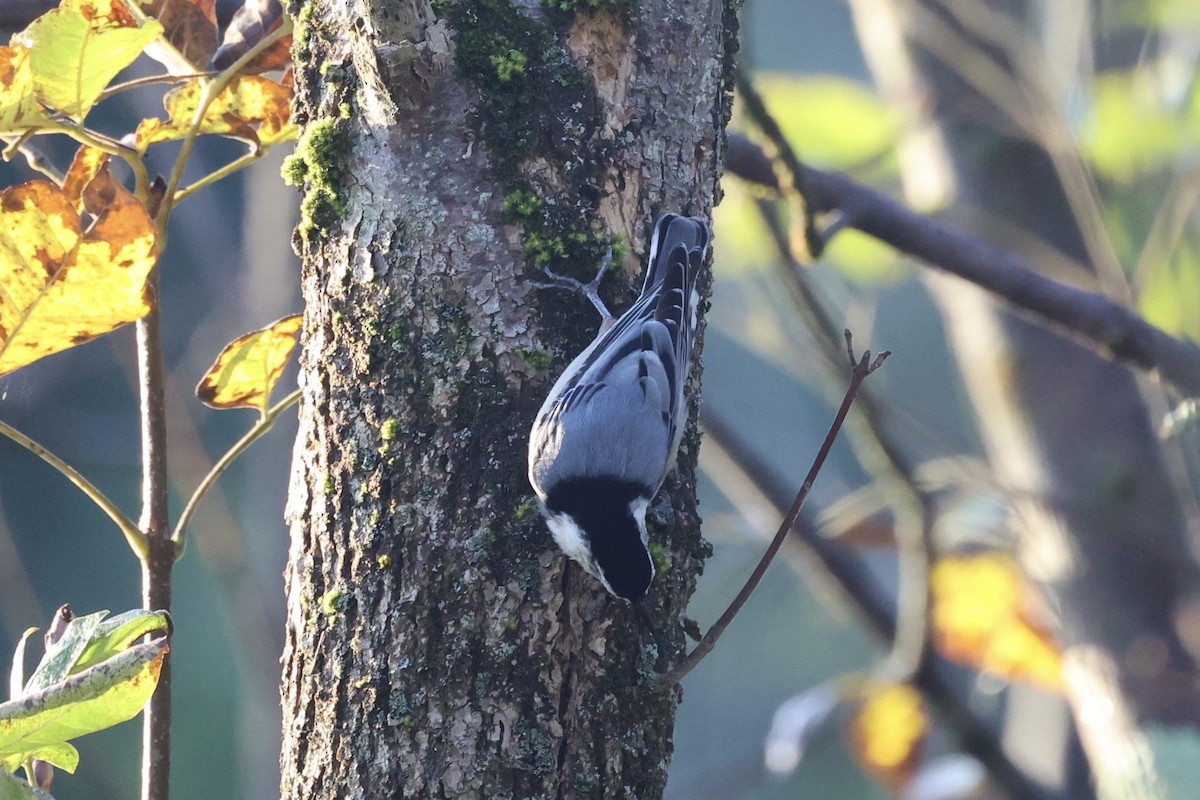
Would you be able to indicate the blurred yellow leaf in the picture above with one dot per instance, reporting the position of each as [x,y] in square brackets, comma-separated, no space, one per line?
[76,49]
[251,108]
[981,618]
[61,286]
[247,369]
[887,733]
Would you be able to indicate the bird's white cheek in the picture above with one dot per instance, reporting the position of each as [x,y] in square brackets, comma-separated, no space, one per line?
[638,509]
[570,539]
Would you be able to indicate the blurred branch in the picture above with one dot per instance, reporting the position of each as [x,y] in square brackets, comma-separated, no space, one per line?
[862,590]
[1110,329]
[859,371]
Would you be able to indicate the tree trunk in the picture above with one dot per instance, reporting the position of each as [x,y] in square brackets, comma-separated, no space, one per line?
[438,645]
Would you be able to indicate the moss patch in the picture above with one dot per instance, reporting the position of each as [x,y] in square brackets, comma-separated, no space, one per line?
[316,165]
[535,106]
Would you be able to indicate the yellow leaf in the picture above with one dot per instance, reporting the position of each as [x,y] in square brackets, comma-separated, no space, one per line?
[887,733]
[19,108]
[247,369]
[981,617]
[252,108]
[76,49]
[59,285]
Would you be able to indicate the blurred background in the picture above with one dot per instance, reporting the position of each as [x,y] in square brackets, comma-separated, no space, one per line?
[1099,101]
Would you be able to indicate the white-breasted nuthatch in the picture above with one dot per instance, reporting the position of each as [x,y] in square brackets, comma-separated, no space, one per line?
[607,435]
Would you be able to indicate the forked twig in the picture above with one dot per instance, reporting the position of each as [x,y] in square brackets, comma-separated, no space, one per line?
[859,370]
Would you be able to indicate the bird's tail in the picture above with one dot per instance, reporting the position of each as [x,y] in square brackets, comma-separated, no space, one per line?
[670,231]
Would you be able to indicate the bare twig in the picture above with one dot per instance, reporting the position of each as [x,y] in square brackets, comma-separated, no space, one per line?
[859,370]
[865,595]
[1112,330]
[253,435]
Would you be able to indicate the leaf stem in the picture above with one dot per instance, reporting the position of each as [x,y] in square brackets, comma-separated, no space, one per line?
[135,538]
[211,92]
[219,174]
[859,370]
[264,424]
[138,83]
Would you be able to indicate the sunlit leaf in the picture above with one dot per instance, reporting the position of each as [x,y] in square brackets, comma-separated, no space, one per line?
[13,788]
[91,639]
[248,368]
[19,108]
[830,120]
[59,285]
[1171,299]
[981,617]
[60,659]
[888,731]
[114,635]
[252,108]
[37,725]
[1132,128]
[79,47]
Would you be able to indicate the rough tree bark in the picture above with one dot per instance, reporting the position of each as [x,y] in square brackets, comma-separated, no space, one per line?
[1096,517]
[437,644]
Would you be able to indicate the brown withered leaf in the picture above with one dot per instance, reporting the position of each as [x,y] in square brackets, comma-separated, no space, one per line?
[85,166]
[190,26]
[250,25]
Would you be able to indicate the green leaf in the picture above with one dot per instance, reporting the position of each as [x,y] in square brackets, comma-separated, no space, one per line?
[830,120]
[61,657]
[78,48]
[13,788]
[1132,128]
[37,725]
[864,259]
[1171,300]
[114,635]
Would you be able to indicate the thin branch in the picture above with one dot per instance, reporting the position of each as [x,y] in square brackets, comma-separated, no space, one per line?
[265,423]
[224,172]
[888,463]
[858,373]
[211,92]
[135,538]
[151,80]
[160,558]
[1110,329]
[862,590]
